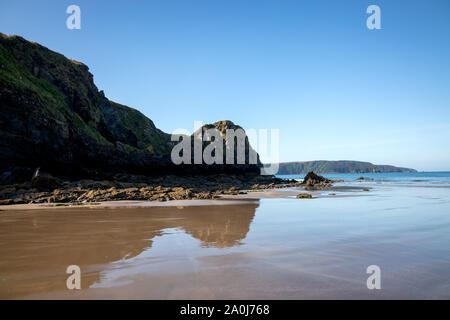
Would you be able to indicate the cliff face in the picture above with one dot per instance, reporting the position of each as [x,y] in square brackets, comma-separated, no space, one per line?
[343,166]
[53,116]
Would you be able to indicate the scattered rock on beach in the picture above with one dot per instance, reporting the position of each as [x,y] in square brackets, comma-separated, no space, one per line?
[364,178]
[43,180]
[304,196]
[45,188]
[314,178]
[313,181]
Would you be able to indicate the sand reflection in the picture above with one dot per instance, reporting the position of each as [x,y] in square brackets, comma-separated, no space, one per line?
[36,247]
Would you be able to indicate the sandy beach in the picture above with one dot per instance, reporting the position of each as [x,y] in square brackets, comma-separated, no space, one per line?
[262,246]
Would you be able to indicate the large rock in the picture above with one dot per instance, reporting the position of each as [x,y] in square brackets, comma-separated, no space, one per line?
[44,181]
[312,178]
[250,158]
[313,181]
[304,196]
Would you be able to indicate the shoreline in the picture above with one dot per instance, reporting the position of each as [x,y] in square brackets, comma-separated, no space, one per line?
[224,200]
[46,189]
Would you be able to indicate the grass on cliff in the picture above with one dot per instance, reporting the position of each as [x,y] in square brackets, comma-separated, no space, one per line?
[15,76]
[49,98]
[48,80]
[150,138]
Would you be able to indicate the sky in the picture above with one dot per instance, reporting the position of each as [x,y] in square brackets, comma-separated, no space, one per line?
[312,69]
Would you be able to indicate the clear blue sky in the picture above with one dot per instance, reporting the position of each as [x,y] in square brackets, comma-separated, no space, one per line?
[335,89]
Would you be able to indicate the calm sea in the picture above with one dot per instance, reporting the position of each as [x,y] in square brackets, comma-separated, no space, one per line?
[393,177]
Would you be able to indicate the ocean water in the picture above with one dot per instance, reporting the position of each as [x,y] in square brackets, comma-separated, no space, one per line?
[389,177]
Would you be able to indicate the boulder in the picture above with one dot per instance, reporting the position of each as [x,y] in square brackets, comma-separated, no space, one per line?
[313,181]
[363,178]
[304,196]
[312,178]
[44,181]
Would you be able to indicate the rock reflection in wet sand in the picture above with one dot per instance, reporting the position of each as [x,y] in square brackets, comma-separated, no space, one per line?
[37,246]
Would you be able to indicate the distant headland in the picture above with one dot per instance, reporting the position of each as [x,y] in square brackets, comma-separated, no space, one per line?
[340,166]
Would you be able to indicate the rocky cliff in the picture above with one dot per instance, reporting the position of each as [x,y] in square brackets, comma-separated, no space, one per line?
[53,116]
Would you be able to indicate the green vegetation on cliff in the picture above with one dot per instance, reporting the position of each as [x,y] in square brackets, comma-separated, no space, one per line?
[52,114]
[63,89]
[148,136]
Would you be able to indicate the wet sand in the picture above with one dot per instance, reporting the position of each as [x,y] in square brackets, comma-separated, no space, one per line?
[272,248]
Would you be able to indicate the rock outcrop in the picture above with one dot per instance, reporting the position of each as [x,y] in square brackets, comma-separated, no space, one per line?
[313,181]
[47,189]
[304,196]
[44,181]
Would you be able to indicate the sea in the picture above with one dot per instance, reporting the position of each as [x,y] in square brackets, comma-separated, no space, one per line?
[432,178]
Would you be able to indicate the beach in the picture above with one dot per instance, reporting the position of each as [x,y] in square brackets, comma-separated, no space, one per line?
[252,246]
